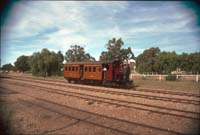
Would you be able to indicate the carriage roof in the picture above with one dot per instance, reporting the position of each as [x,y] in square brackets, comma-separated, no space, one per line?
[89,62]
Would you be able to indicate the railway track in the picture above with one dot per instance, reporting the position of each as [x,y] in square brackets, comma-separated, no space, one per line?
[169,92]
[116,102]
[143,89]
[93,118]
[151,97]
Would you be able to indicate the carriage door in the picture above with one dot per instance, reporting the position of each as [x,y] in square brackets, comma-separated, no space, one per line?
[81,72]
[107,76]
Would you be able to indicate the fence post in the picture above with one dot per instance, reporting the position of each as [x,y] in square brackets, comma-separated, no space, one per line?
[176,77]
[144,76]
[160,77]
[197,78]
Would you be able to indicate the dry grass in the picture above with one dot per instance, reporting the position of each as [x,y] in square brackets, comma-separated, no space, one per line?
[30,75]
[184,86]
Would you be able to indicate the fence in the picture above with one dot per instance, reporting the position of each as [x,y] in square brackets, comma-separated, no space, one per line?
[162,77]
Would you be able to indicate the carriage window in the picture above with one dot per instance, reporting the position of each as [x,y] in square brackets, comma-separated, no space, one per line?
[89,69]
[99,69]
[72,68]
[65,68]
[76,68]
[85,69]
[94,69]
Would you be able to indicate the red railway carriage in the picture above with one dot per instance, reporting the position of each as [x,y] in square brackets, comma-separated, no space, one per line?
[97,72]
[92,72]
[72,71]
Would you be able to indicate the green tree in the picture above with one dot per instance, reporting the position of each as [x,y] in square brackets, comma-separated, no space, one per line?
[167,62]
[189,62]
[22,63]
[105,56]
[152,60]
[8,67]
[146,62]
[194,63]
[183,62]
[60,58]
[115,51]
[77,53]
[46,63]
[126,54]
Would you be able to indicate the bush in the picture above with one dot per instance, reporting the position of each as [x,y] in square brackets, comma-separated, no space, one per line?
[171,78]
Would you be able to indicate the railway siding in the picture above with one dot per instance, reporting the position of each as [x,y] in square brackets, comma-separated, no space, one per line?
[108,105]
[100,120]
[134,99]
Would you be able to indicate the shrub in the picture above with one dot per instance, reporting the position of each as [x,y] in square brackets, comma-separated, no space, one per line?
[171,78]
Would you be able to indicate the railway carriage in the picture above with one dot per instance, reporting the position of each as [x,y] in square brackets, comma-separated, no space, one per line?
[111,73]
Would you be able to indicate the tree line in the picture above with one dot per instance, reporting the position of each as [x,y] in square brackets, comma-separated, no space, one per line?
[154,61]
[47,63]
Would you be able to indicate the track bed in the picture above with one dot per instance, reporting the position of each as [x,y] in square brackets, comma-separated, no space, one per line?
[46,106]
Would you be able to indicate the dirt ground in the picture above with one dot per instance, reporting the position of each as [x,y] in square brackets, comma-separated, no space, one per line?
[182,86]
[24,114]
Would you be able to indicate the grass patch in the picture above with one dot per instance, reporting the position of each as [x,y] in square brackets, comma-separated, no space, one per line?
[184,86]
[171,78]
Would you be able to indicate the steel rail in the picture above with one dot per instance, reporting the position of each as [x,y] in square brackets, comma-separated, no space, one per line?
[94,114]
[151,97]
[113,101]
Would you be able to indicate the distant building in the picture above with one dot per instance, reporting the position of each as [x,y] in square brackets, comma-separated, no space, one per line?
[178,71]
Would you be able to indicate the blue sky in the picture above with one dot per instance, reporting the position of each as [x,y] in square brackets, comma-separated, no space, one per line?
[34,25]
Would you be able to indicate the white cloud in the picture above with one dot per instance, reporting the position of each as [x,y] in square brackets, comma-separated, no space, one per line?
[158,27]
[64,42]
[38,16]
[58,24]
